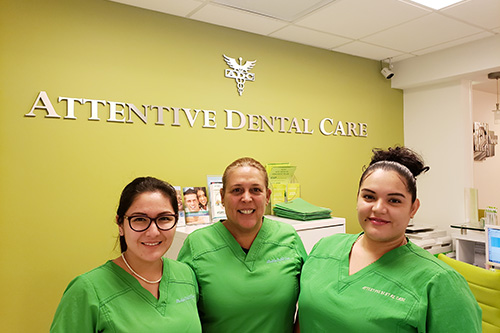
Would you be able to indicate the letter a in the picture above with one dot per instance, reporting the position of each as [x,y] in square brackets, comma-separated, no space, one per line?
[47,106]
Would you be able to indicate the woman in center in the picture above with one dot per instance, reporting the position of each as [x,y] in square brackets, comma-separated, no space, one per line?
[247,266]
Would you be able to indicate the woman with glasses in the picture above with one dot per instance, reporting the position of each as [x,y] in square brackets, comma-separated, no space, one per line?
[140,291]
[247,266]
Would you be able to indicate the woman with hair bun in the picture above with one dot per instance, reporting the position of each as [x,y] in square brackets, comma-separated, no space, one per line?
[378,280]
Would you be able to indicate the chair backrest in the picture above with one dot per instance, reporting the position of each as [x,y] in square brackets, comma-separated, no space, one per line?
[485,285]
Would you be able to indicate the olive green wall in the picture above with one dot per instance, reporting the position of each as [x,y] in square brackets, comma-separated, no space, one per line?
[61,178]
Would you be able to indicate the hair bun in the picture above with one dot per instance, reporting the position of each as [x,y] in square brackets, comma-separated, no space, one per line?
[401,155]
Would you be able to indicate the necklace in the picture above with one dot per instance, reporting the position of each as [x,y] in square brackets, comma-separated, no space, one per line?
[140,277]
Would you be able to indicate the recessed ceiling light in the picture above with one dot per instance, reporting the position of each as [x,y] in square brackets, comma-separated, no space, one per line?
[437,4]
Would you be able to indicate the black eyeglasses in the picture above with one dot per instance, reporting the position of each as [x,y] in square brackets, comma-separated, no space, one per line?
[142,223]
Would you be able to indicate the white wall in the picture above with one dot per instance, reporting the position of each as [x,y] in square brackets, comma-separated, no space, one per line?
[467,61]
[438,122]
[487,172]
[438,126]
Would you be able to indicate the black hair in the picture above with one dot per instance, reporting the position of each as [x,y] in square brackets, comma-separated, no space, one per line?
[191,190]
[135,188]
[200,189]
[407,163]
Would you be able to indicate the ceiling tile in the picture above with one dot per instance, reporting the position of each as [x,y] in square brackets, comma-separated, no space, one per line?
[309,37]
[365,50]
[174,7]
[383,28]
[282,9]
[483,13]
[238,19]
[425,32]
[359,18]
[456,42]
[402,57]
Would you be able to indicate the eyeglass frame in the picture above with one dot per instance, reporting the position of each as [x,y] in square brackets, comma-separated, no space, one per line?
[151,220]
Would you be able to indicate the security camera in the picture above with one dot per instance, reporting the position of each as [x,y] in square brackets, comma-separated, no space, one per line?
[387,70]
[387,73]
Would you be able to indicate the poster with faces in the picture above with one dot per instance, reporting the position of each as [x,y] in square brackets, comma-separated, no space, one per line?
[196,205]
[180,203]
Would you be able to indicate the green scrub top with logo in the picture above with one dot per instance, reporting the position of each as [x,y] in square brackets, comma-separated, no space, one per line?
[108,299]
[246,292]
[406,290]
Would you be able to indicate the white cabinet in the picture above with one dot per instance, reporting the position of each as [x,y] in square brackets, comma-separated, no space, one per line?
[312,231]
[309,231]
[470,247]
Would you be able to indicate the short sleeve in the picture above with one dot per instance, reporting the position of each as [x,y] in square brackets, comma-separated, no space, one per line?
[78,309]
[186,254]
[452,306]
[300,248]
[315,246]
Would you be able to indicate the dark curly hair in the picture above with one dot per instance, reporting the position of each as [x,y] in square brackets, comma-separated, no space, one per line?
[407,163]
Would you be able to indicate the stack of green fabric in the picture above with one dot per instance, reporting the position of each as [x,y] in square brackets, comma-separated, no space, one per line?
[299,209]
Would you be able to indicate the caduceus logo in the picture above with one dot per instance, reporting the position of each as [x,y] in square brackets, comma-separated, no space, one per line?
[239,72]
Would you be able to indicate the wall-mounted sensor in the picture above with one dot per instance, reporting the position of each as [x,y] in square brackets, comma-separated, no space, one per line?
[386,71]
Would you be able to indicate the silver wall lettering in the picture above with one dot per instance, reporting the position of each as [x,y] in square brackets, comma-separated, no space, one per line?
[209,119]
[353,129]
[229,119]
[70,106]
[47,106]
[122,112]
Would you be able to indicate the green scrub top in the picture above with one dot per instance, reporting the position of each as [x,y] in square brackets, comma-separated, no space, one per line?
[108,299]
[253,292]
[406,290]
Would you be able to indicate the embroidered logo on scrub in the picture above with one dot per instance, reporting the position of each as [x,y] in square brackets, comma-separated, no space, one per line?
[384,293]
[184,299]
[271,261]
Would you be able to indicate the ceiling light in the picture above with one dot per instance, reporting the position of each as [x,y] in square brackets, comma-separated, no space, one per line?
[437,4]
[496,75]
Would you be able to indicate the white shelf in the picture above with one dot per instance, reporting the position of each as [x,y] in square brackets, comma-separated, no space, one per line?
[470,247]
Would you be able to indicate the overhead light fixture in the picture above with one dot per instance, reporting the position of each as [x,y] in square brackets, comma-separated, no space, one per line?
[387,70]
[437,4]
[496,76]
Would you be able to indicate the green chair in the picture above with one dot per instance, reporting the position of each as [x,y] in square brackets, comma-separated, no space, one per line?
[485,285]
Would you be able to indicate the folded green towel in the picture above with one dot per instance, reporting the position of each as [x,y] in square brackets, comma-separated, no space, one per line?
[299,209]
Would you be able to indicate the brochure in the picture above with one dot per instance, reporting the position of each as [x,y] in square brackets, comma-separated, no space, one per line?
[196,205]
[283,183]
[182,217]
[217,211]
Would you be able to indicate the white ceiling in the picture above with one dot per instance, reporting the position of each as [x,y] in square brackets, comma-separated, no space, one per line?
[374,29]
